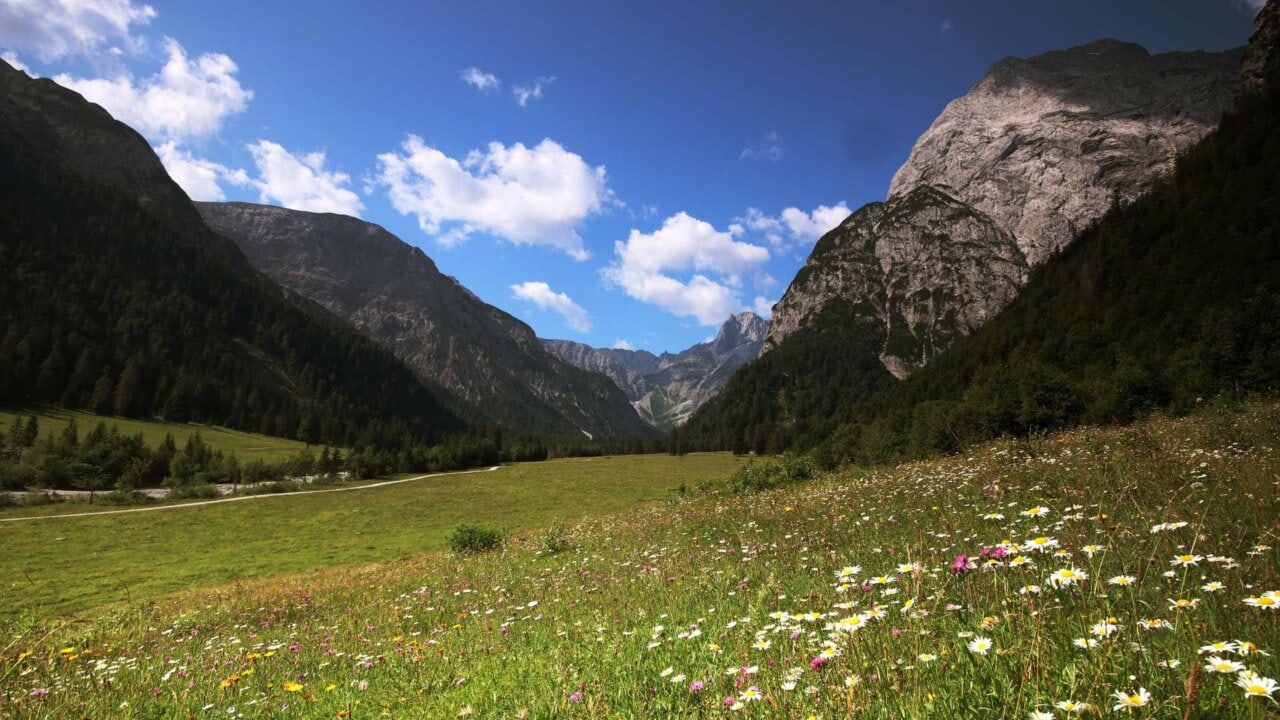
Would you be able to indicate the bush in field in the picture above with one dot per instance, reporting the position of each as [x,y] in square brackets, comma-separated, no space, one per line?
[760,475]
[474,538]
[557,539]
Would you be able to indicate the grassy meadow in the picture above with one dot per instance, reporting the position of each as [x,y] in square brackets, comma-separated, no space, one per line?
[59,564]
[245,445]
[1127,572]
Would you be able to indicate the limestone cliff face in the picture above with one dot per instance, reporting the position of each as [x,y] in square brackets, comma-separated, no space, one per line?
[1005,177]
[922,268]
[1262,57]
[392,292]
[666,389]
[1045,145]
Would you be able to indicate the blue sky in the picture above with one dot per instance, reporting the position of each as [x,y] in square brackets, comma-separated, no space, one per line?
[608,172]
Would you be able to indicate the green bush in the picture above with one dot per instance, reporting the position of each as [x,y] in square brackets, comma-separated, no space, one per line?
[473,538]
[557,539]
[760,475]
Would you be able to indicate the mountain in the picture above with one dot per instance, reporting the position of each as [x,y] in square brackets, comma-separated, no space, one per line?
[1047,144]
[117,298]
[393,293]
[666,389]
[1166,303]
[1038,150]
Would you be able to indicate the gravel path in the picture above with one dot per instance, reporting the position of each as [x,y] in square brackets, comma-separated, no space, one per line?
[241,498]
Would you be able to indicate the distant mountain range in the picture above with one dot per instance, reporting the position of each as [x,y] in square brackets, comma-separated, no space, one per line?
[666,389]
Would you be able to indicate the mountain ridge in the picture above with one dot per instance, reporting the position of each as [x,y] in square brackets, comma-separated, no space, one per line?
[394,293]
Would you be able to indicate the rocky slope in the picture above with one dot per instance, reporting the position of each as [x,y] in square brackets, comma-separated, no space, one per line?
[394,293]
[1005,177]
[666,389]
[1047,144]
[1262,56]
[922,269]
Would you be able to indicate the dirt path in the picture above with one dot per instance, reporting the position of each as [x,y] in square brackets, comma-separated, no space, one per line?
[240,498]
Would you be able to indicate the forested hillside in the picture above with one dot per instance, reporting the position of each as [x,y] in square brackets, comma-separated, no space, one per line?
[110,304]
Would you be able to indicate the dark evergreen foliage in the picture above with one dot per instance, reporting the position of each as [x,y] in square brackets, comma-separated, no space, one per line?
[104,306]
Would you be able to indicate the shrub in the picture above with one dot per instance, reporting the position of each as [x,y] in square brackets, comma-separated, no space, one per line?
[473,538]
[196,491]
[557,539]
[760,475]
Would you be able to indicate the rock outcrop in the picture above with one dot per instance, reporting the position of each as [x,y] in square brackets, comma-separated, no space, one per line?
[923,268]
[666,389]
[395,294]
[1047,144]
[1262,56]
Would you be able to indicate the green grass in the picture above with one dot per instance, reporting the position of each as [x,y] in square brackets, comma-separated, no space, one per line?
[246,446]
[61,564]
[734,593]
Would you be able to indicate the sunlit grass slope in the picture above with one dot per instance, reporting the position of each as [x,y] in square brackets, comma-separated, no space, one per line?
[59,564]
[245,445]
[1133,568]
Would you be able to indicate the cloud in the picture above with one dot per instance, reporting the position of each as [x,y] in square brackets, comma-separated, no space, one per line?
[541,294]
[946,27]
[794,228]
[17,64]
[646,265]
[54,29]
[768,147]
[763,307]
[187,98]
[621,344]
[201,179]
[533,91]
[1253,6]
[300,182]
[483,81]
[536,195]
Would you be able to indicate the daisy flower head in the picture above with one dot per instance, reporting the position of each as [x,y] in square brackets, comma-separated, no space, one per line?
[1122,580]
[1184,603]
[1222,665]
[1254,685]
[980,645]
[751,694]
[1040,544]
[1067,577]
[1072,706]
[1222,646]
[1269,600]
[1186,560]
[848,571]
[1129,701]
[1040,715]
[1037,511]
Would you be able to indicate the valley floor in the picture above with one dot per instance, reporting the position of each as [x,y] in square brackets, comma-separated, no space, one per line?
[1130,568]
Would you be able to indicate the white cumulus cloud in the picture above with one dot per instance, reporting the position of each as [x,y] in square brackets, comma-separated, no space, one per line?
[300,181]
[793,227]
[480,79]
[763,306]
[17,64]
[536,195]
[54,29]
[541,294]
[187,98]
[621,344]
[649,268]
[200,178]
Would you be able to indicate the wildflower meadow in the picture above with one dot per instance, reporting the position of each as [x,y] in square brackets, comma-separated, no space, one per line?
[1127,572]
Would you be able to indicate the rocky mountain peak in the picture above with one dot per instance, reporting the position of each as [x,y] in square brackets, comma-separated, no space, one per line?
[1045,145]
[745,327]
